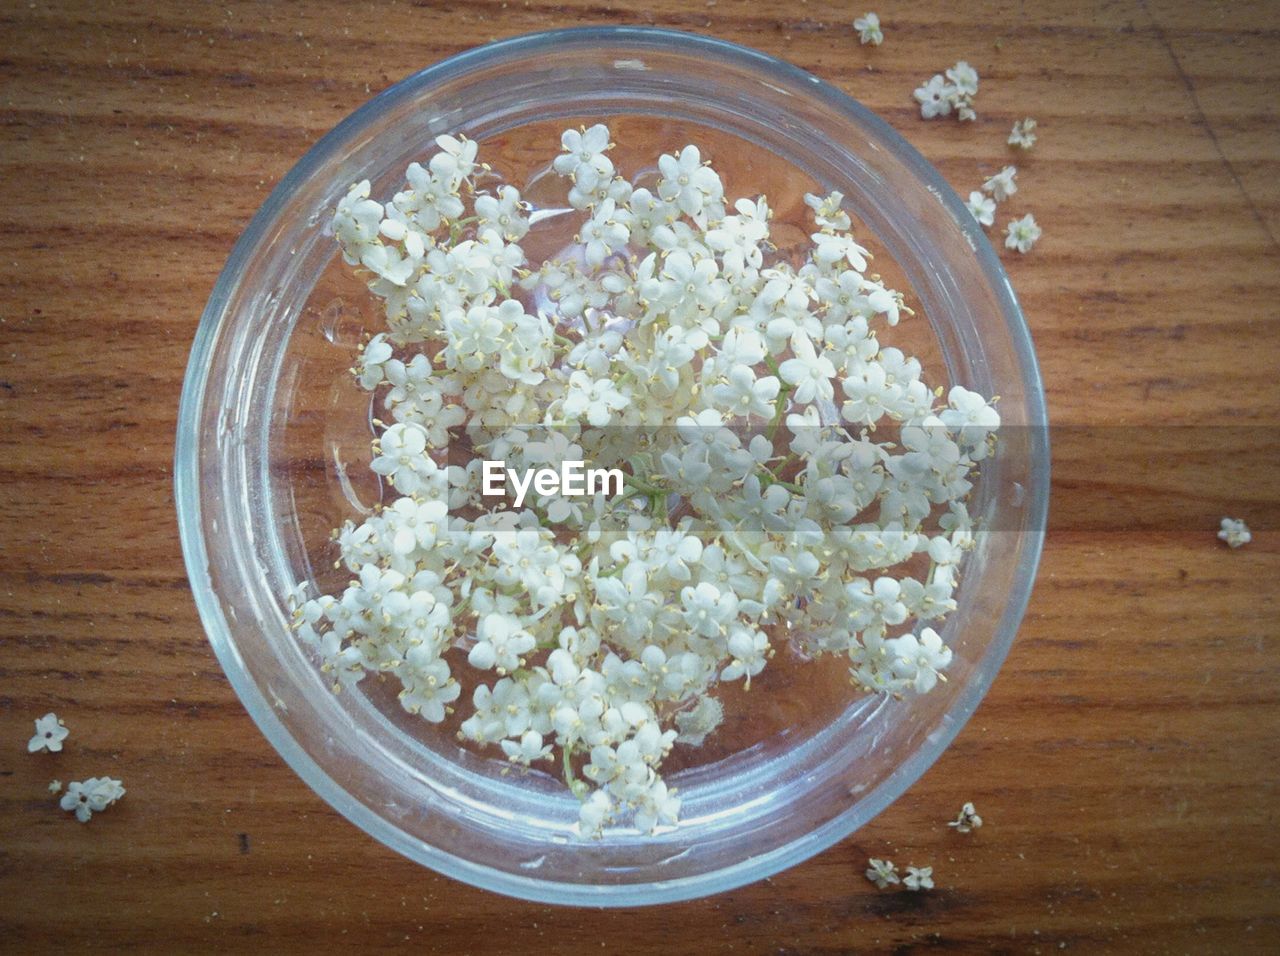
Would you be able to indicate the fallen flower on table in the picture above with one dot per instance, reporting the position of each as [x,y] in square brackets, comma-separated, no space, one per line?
[982,207]
[50,733]
[1002,185]
[882,872]
[940,94]
[1022,234]
[1023,134]
[1235,532]
[968,819]
[868,27]
[918,878]
[91,796]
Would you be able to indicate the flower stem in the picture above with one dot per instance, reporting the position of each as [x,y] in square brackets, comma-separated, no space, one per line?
[644,486]
[575,785]
[771,479]
[779,407]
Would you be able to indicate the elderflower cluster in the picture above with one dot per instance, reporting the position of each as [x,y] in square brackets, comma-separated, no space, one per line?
[952,91]
[782,467]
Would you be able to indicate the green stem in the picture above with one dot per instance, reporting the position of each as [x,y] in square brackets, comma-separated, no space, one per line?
[771,479]
[644,486]
[456,227]
[566,759]
[657,502]
[779,407]
[780,466]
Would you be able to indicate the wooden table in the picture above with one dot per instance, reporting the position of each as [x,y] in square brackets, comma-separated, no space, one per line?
[1126,759]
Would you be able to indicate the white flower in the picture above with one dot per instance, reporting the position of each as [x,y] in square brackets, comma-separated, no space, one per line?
[387,263]
[685,288]
[528,749]
[50,733]
[826,210]
[940,95]
[965,78]
[500,641]
[835,250]
[885,601]
[967,820]
[625,600]
[456,160]
[91,796]
[918,878]
[595,811]
[868,27]
[657,805]
[869,395]
[1235,532]
[982,208]
[697,723]
[969,416]
[583,159]
[743,394]
[1022,233]
[597,399]
[882,872]
[965,81]
[402,456]
[432,197]
[428,687]
[649,214]
[936,97]
[504,213]
[1023,133]
[673,551]
[810,372]
[55,786]
[919,661]
[413,525]
[604,234]
[707,611]
[356,221]
[1002,185]
[78,798]
[748,651]
[687,183]
[370,370]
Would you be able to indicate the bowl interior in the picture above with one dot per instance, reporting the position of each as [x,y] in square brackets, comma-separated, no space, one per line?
[276,445]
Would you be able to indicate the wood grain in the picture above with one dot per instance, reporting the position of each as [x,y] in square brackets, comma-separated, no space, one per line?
[1126,761]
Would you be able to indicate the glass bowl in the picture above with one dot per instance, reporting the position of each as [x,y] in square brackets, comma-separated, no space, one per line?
[273,443]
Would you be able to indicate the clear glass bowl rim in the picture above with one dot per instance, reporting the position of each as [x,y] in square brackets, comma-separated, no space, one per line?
[187,477]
